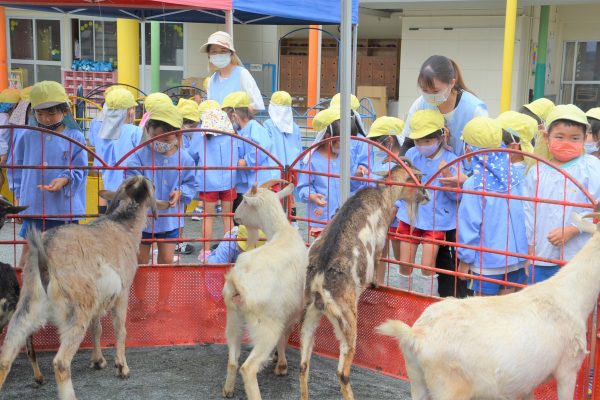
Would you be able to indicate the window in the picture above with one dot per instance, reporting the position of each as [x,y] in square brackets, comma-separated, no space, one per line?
[35,49]
[580,83]
[171,53]
[97,40]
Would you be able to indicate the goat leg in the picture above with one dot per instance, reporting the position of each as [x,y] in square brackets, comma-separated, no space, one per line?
[311,319]
[347,336]
[266,338]
[69,343]
[97,360]
[37,374]
[281,369]
[119,314]
[234,343]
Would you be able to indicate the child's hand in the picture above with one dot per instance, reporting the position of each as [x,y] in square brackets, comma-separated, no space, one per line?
[174,197]
[55,185]
[560,235]
[450,180]
[464,268]
[318,199]
[361,171]
[242,163]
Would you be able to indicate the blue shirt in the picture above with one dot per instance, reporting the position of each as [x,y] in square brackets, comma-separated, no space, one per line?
[57,152]
[255,157]
[93,131]
[165,182]
[439,213]
[227,251]
[491,222]
[220,88]
[112,151]
[216,151]
[286,146]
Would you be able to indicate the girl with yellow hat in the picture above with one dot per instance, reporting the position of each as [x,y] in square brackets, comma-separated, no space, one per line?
[55,191]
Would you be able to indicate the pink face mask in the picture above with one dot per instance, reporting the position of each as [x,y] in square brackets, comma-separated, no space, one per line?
[565,151]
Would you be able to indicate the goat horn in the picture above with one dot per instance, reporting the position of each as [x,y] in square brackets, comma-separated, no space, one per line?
[4,201]
[272,182]
[253,189]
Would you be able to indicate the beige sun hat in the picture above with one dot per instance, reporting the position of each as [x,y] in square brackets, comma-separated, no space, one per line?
[221,38]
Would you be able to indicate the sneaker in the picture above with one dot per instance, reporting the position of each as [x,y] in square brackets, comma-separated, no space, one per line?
[184,248]
[218,209]
[203,256]
[198,210]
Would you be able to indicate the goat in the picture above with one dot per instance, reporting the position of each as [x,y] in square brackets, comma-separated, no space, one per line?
[264,288]
[9,291]
[503,347]
[342,263]
[74,274]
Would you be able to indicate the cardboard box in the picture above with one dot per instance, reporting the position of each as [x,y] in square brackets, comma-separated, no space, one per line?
[377,94]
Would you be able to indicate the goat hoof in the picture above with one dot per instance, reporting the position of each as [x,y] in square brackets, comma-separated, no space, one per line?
[373,285]
[122,371]
[98,364]
[281,370]
[227,393]
[38,381]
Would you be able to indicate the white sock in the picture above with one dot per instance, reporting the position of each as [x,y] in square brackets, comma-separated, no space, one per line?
[405,281]
[429,284]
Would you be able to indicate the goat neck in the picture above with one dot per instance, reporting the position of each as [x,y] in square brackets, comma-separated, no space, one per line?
[278,220]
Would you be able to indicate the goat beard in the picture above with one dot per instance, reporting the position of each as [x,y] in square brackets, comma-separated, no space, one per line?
[412,209]
[253,237]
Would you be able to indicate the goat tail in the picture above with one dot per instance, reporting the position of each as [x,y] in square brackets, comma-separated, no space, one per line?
[38,258]
[399,330]
[323,300]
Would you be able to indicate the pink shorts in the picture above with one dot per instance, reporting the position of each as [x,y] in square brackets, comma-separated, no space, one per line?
[404,229]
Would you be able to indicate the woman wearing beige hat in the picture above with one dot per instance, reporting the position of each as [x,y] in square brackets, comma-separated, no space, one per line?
[228,73]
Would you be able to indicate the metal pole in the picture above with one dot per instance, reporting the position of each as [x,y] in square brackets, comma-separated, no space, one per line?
[354,55]
[229,22]
[155,56]
[540,64]
[509,54]
[345,84]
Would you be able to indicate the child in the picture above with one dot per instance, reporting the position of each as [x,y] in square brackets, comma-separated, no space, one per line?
[212,149]
[56,192]
[550,231]
[538,110]
[191,119]
[116,136]
[487,221]
[522,129]
[435,217]
[173,185]
[385,131]
[8,100]
[228,251]
[593,136]
[322,192]
[283,131]
[236,105]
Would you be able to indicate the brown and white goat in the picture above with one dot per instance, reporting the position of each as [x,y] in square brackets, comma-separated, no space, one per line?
[264,288]
[74,274]
[342,263]
[503,347]
[10,290]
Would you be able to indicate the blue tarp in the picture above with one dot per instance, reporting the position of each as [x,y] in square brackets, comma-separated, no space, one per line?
[258,12]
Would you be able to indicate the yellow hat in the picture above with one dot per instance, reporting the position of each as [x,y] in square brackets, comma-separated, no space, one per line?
[26,92]
[540,107]
[386,126]
[119,99]
[593,113]
[522,125]
[425,122]
[189,109]
[336,102]
[482,132]
[281,98]
[166,112]
[236,100]
[324,118]
[156,98]
[243,234]
[10,95]
[46,94]
[570,112]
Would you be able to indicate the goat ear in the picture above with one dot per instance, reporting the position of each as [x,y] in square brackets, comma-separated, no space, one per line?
[253,189]
[107,194]
[286,191]
[16,209]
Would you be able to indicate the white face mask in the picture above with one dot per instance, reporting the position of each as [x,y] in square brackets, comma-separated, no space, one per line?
[435,99]
[220,60]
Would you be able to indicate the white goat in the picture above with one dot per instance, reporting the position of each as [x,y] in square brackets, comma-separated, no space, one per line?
[74,274]
[503,347]
[342,263]
[264,288]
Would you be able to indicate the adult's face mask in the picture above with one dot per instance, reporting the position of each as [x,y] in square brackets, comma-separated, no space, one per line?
[435,99]
[220,60]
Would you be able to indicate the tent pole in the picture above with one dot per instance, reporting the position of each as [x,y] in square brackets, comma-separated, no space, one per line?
[155,56]
[229,22]
[345,83]
[314,68]
[509,54]
[128,50]
[354,55]
[540,65]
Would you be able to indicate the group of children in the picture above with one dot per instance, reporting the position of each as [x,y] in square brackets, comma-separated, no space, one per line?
[492,230]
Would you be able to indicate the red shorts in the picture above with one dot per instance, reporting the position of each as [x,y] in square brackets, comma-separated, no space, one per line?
[212,197]
[404,229]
